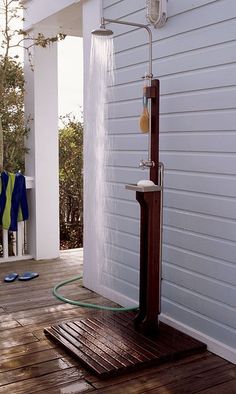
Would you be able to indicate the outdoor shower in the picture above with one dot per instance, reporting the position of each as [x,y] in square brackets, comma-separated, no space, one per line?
[149,195]
[115,342]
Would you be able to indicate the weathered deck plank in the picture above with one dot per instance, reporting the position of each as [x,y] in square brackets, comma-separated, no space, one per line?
[29,362]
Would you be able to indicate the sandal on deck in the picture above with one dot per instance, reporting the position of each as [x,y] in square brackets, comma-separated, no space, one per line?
[28,276]
[10,277]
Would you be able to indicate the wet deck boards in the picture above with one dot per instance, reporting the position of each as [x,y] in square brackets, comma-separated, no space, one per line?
[32,363]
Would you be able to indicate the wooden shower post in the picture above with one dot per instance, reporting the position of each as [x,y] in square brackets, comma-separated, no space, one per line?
[146,320]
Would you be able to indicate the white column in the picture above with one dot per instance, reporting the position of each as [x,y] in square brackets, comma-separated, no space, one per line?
[41,104]
[91,21]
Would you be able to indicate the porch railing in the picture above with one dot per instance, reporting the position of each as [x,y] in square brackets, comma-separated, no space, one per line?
[14,244]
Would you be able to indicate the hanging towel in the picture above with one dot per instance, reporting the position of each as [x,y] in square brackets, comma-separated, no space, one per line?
[13,200]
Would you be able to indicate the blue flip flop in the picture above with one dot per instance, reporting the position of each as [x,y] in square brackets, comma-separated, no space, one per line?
[10,277]
[28,276]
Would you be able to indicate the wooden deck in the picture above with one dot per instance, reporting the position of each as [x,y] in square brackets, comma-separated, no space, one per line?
[30,363]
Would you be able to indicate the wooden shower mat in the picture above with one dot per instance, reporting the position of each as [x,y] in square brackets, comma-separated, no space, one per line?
[108,344]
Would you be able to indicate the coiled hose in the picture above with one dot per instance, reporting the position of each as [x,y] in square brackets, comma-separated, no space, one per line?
[84,304]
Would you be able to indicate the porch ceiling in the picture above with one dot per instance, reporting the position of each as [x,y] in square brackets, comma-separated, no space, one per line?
[68,21]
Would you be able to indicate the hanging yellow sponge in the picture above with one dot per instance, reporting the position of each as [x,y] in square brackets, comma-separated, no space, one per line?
[144,120]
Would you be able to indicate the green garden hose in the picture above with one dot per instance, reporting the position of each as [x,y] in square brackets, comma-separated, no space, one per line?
[84,304]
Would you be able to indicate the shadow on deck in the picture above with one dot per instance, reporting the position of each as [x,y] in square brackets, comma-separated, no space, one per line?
[30,363]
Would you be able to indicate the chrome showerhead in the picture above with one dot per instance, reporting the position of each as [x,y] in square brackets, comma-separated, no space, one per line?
[102,31]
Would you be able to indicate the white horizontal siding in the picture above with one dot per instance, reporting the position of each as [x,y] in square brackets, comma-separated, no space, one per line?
[205,162]
[121,255]
[206,245]
[181,103]
[207,266]
[210,288]
[220,121]
[187,81]
[194,56]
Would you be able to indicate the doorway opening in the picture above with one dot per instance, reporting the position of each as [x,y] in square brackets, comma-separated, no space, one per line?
[70,94]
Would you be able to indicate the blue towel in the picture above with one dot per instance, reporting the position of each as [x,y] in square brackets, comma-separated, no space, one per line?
[13,200]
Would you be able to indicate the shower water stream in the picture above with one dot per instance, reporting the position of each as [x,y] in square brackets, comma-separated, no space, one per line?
[101,80]
[96,150]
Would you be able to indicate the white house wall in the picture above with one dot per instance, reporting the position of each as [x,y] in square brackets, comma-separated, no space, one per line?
[194,56]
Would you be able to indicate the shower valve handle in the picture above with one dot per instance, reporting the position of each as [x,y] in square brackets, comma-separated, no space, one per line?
[146,164]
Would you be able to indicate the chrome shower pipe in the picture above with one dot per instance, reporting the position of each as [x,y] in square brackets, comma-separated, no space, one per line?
[105,20]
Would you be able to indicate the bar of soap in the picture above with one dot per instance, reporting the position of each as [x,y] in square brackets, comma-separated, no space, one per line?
[145,182]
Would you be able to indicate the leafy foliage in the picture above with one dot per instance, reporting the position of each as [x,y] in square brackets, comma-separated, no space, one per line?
[12,115]
[12,122]
[71,183]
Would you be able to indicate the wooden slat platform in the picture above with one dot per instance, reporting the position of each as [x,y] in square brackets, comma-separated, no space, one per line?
[32,363]
[109,345]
